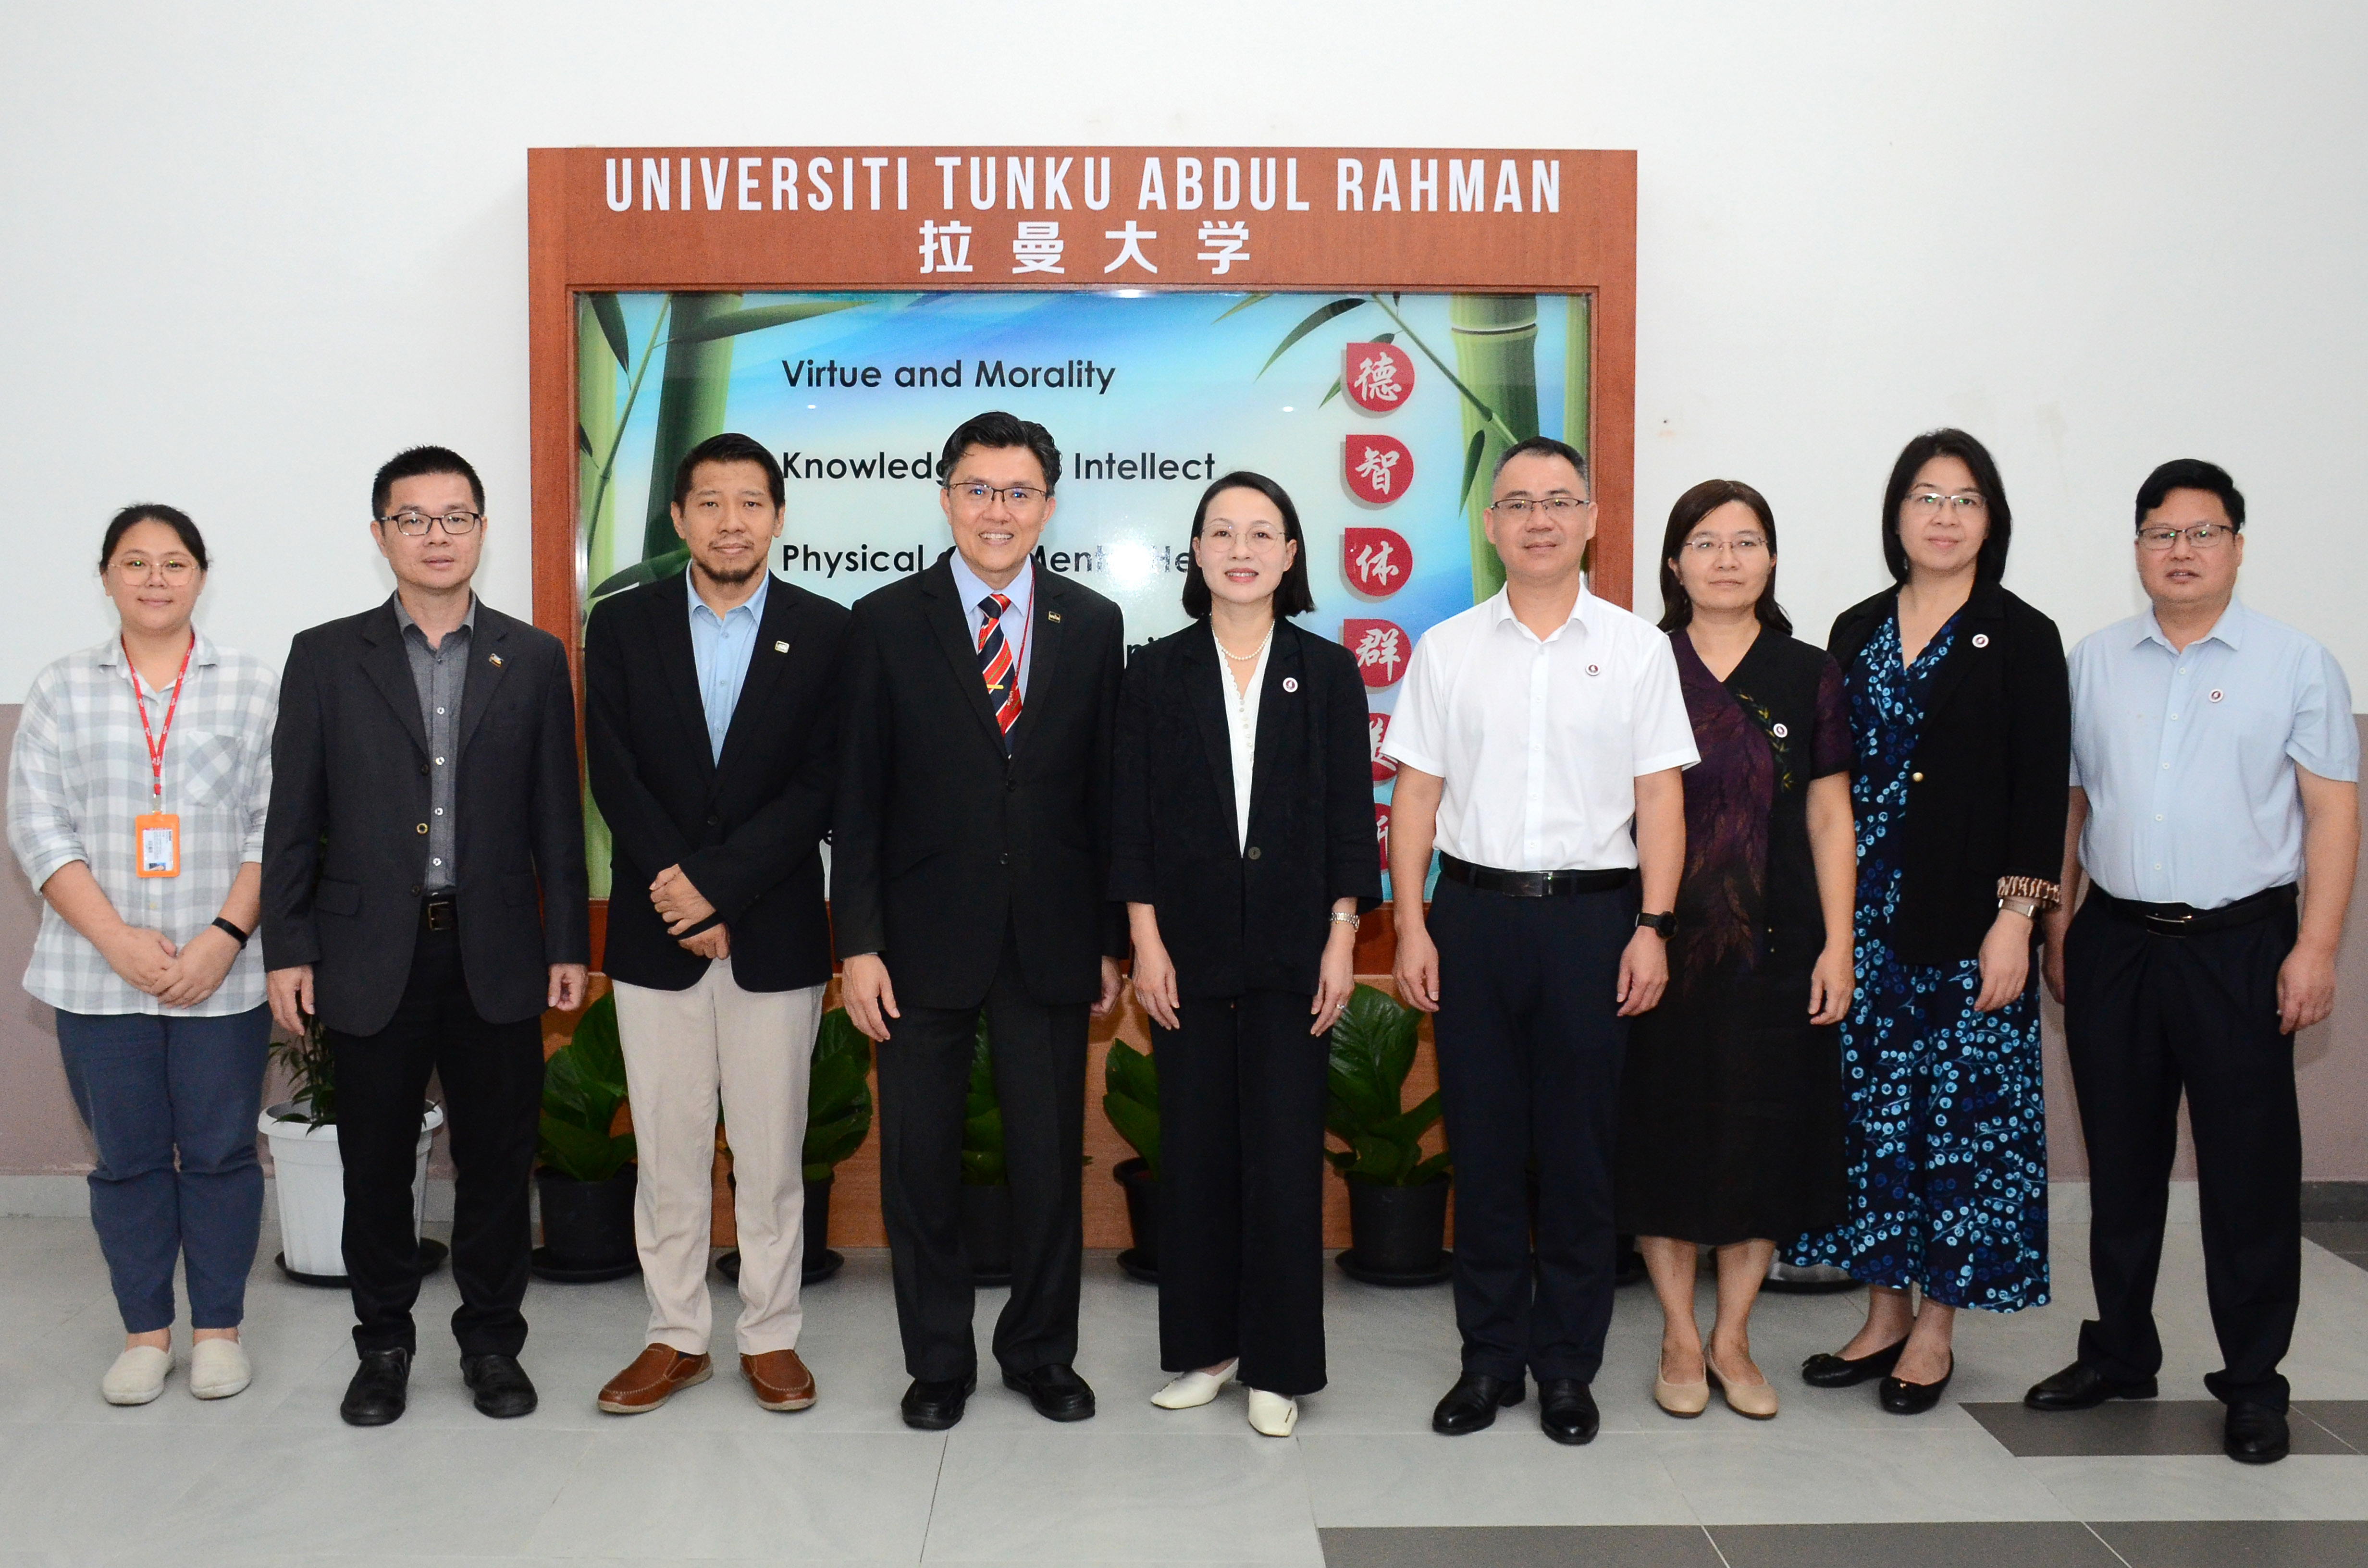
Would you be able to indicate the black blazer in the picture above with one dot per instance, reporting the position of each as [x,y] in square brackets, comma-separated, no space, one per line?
[746,829]
[1994,755]
[345,849]
[1237,918]
[941,841]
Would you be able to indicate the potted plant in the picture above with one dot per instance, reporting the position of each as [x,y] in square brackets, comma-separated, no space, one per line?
[307,1174]
[839,1117]
[587,1172]
[1131,1100]
[985,1190]
[1397,1199]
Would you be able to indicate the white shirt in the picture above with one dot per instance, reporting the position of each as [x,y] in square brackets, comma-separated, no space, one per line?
[1020,591]
[1241,717]
[1540,742]
[2188,757]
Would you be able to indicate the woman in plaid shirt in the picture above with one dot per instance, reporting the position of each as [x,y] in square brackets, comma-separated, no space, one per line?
[136,794]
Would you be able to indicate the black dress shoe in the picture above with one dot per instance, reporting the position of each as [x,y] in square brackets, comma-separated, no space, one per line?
[1566,1411]
[932,1404]
[380,1388]
[1914,1399]
[1474,1402]
[501,1385]
[1056,1391]
[2081,1387]
[1825,1370]
[2255,1434]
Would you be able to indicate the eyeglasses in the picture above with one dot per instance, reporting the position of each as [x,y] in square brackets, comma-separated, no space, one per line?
[1556,507]
[174,569]
[2203,536]
[1260,537]
[1929,502]
[1744,548]
[1019,497]
[416,523]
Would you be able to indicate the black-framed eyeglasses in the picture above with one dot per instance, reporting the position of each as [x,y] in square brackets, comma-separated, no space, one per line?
[416,523]
[1519,506]
[2203,536]
[1019,497]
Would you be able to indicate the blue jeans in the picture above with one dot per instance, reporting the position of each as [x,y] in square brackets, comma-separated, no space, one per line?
[149,1089]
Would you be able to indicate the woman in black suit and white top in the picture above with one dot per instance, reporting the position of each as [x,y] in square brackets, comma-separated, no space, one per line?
[1242,849]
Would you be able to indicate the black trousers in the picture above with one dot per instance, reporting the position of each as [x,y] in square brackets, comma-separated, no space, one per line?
[1039,1080]
[1529,1050]
[493,1105]
[2147,1016]
[1242,1087]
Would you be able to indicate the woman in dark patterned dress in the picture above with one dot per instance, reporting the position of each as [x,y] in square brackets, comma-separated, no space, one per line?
[1731,1102]
[1963,727]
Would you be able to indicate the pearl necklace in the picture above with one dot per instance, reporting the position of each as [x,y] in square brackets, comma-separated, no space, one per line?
[1237,698]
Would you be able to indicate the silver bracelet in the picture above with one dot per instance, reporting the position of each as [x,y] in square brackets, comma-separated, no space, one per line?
[1348,920]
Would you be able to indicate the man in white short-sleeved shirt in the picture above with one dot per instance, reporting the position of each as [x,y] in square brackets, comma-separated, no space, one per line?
[1539,741]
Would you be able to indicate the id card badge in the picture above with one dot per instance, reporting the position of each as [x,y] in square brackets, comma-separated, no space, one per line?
[159,844]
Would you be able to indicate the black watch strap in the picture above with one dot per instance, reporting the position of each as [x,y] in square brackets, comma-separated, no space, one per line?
[232,932]
[1664,925]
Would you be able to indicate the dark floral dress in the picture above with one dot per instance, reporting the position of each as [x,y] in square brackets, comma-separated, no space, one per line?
[1731,1100]
[1947,1135]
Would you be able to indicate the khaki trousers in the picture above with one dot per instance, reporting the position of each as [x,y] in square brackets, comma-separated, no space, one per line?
[749,1052]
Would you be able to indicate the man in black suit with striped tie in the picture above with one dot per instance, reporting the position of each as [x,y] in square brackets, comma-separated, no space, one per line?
[970,854]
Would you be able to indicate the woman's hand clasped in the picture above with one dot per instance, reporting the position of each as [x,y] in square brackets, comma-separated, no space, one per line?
[2005,961]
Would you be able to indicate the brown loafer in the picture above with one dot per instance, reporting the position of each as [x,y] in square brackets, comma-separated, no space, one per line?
[657,1374]
[780,1380]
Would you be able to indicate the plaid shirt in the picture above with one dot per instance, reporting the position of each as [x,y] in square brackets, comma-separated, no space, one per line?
[79,775]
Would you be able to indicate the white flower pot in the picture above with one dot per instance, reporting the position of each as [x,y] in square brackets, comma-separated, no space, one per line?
[310,1180]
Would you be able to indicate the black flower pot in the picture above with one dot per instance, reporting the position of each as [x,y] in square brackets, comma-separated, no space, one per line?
[1397,1235]
[820,1263]
[1141,1261]
[587,1228]
[986,1233]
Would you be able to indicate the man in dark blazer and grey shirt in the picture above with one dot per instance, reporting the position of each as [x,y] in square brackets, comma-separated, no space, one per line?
[970,858]
[424,895]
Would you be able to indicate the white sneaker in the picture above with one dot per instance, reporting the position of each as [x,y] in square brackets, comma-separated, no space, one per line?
[1273,1414]
[1186,1390]
[138,1375]
[218,1369]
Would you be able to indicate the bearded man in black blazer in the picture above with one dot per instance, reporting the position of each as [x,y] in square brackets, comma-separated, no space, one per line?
[711,723]
[970,858]
[424,893]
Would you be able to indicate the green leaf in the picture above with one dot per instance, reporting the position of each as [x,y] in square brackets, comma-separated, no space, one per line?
[1131,1072]
[1244,303]
[578,1154]
[983,1167]
[1138,1124]
[612,317]
[838,1093]
[651,571]
[985,1131]
[582,441]
[756,318]
[827,1142]
[1321,314]
[1471,465]
[1430,1170]
[1379,1160]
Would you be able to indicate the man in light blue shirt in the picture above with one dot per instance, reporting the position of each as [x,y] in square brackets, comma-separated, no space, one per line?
[2215,807]
[719,646]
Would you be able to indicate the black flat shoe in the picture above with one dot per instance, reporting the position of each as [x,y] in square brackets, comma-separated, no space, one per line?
[501,1385]
[1825,1370]
[2081,1387]
[1914,1399]
[1056,1391]
[1566,1411]
[2255,1434]
[1474,1402]
[934,1404]
[380,1389]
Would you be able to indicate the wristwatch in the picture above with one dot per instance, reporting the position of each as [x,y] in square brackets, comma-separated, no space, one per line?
[1662,926]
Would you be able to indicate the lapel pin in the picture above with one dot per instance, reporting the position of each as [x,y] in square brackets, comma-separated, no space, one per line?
[494,659]
[1980,638]
[1595,669]
[1291,683]
[2215,695]
[1052,615]
[1780,731]
[780,647]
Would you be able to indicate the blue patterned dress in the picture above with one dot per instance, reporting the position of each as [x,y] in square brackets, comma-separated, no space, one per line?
[1947,1137]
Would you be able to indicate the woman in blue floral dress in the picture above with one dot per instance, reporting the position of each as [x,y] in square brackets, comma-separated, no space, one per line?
[1961,727]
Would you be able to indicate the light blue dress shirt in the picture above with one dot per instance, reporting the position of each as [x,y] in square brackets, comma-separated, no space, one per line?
[2187,758]
[721,646]
[1022,594]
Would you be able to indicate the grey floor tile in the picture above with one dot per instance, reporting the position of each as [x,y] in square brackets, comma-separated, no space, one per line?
[1969,1544]
[1521,1546]
[2346,1419]
[2129,1427]
[2345,1238]
[1510,1474]
[1775,1477]
[2239,1543]
[2308,1486]
[62,1487]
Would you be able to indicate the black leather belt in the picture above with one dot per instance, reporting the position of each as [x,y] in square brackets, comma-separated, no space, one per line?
[2186,920]
[1531,884]
[440,912]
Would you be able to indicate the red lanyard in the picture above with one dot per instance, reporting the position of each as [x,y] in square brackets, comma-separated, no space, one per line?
[156,742]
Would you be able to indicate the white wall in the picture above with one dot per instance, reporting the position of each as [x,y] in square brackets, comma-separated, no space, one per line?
[245,256]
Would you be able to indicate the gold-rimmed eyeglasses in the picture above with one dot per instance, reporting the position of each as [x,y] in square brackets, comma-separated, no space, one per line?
[174,569]
[2203,536]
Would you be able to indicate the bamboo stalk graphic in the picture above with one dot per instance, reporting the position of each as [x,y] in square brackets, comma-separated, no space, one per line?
[1579,392]
[597,363]
[691,400]
[1495,339]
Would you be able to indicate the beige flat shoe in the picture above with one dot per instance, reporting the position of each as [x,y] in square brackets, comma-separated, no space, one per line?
[1187,1391]
[1273,1414]
[218,1369]
[1757,1400]
[1683,1400]
[138,1376]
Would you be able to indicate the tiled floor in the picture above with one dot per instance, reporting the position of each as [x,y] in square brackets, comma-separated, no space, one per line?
[272,1476]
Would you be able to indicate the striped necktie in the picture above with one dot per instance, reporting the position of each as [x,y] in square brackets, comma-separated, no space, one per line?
[996,663]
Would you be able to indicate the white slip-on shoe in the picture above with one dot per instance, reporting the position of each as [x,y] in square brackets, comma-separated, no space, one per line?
[1273,1414]
[1186,1390]
[138,1375]
[218,1369]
